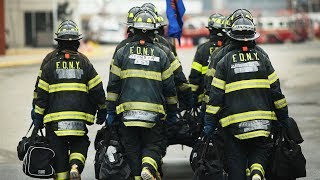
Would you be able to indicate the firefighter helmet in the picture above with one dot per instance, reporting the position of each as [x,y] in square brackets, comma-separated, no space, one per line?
[236,15]
[161,21]
[151,7]
[131,13]
[68,31]
[216,21]
[145,20]
[243,29]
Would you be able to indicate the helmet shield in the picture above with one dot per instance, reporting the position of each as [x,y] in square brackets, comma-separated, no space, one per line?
[243,29]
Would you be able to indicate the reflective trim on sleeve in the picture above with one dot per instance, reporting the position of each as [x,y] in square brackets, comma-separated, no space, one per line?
[43,85]
[247,84]
[210,72]
[40,73]
[247,116]
[158,108]
[166,74]
[212,109]
[194,87]
[273,77]
[204,69]
[253,134]
[200,97]
[134,73]
[172,100]
[218,83]
[137,178]
[35,95]
[39,110]
[102,106]
[70,133]
[68,87]
[196,66]
[62,176]
[66,115]
[94,82]
[115,70]
[280,103]
[112,96]
[152,162]
[258,167]
[139,124]
[206,98]
[77,156]
[175,64]
[183,87]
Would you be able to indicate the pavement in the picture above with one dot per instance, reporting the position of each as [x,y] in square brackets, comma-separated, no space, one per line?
[29,56]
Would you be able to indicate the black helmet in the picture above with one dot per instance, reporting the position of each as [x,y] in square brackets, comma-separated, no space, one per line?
[131,13]
[243,29]
[68,31]
[151,7]
[145,20]
[236,15]
[161,21]
[216,21]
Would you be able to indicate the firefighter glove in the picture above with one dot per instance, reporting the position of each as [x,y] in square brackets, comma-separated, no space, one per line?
[171,119]
[209,126]
[110,117]
[101,116]
[37,120]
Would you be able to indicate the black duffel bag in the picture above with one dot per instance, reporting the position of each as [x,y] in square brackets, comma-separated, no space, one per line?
[287,159]
[23,145]
[38,158]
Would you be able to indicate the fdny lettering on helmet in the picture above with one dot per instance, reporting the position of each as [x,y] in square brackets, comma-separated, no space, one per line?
[68,65]
[242,57]
[142,51]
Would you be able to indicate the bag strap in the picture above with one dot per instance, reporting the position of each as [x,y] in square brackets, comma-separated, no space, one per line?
[205,148]
[29,129]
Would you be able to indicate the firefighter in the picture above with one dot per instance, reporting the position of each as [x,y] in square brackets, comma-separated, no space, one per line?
[245,99]
[202,57]
[141,92]
[69,93]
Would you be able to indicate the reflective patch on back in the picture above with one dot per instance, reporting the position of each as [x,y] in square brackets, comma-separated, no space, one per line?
[140,115]
[254,125]
[245,67]
[69,73]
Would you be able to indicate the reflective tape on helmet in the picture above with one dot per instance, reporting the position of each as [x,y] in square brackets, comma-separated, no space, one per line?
[94,82]
[246,84]
[247,116]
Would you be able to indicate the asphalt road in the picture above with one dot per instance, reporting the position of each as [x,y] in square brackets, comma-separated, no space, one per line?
[297,66]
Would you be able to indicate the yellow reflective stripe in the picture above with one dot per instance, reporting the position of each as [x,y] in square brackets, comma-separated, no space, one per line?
[134,73]
[68,87]
[253,134]
[39,110]
[166,74]
[273,77]
[150,161]
[280,103]
[35,95]
[247,84]
[62,175]
[196,66]
[193,87]
[43,85]
[40,72]
[112,96]
[212,109]
[248,172]
[218,83]
[172,100]
[77,156]
[140,106]
[137,178]
[204,69]
[68,115]
[258,167]
[102,106]
[139,124]
[200,97]
[175,65]
[210,72]
[70,133]
[183,87]
[206,98]
[93,82]
[115,70]
[247,116]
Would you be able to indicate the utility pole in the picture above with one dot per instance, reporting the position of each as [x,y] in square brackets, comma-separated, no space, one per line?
[2,29]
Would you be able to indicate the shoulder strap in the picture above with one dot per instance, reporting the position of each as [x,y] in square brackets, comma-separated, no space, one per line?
[29,129]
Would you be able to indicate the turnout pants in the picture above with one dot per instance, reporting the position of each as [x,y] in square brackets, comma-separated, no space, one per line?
[243,154]
[143,147]
[68,150]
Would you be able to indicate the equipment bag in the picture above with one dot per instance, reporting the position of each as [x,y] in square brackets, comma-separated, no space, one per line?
[38,158]
[23,145]
[288,162]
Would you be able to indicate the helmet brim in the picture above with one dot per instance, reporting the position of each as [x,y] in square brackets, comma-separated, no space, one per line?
[243,38]
[68,39]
